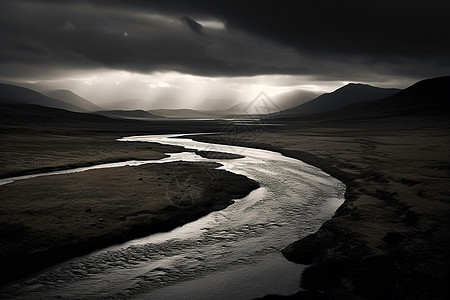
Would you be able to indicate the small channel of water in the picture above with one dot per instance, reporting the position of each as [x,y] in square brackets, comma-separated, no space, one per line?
[229,254]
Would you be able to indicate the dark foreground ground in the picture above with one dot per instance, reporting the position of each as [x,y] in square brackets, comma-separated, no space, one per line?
[389,240]
[48,219]
[391,237]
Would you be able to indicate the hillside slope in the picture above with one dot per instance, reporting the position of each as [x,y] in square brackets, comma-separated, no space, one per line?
[348,94]
[16,95]
[73,99]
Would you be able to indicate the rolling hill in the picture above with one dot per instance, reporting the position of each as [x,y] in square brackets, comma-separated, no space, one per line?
[426,97]
[348,94]
[31,115]
[127,114]
[18,95]
[185,114]
[73,99]
[264,104]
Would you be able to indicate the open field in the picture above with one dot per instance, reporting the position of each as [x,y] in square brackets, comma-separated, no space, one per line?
[45,220]
[307,102]
[391,237]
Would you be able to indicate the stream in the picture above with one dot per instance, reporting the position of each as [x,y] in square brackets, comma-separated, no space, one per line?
[229,254]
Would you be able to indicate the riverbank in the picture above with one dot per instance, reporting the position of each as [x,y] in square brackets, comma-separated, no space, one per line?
[390,239]
[49,219]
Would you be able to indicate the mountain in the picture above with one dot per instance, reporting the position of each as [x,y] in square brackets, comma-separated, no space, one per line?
[185,114]
[426,97]
[128,114]
[243,108]
[73,99]
[16,95]
[37,115]
[127,104]
[259,107]
[348,94]
[294,98]
[264,104]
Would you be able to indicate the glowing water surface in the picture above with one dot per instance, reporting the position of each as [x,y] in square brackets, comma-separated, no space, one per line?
[229,254]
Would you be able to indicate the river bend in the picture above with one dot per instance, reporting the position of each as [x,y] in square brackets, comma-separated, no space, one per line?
[229,254]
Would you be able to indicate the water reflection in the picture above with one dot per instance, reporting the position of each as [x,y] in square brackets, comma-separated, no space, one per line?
[233,253]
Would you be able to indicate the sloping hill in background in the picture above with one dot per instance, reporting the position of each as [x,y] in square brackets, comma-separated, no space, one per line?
[185,113]
[294,98]
[128,114]
[73,99]
[348,94]
[426,97]
[31,115]
[274,104]
[16,95]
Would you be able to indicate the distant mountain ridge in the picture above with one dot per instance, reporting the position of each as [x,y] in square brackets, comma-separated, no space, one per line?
[273,104]
[18,95]
[73,99]
[429,96]
[346,95]
[33,114]
[184,113]
[129,114]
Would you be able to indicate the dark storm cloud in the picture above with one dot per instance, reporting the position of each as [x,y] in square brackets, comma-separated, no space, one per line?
[325,39]
[407,27]
[196,27]
[78,35]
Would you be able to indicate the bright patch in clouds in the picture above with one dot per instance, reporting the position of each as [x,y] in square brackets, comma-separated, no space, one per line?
[124,90]
[212,24]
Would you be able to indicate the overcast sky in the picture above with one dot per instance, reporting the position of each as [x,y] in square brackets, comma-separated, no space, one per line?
[207,54]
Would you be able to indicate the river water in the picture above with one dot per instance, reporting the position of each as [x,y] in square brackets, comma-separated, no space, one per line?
[229,254]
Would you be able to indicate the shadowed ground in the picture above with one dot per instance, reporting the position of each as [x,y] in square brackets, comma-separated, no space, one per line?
[45,220]
[391,237]
[389,240]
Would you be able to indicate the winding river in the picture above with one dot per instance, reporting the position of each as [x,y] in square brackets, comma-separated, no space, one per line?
[229,254]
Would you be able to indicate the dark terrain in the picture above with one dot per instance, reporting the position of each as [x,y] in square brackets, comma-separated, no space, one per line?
[391,237]
[350,94]
[48,219]
[389,240]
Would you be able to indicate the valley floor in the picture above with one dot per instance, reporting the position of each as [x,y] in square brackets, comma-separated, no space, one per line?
[45,220]
[391,237]
[389,240]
